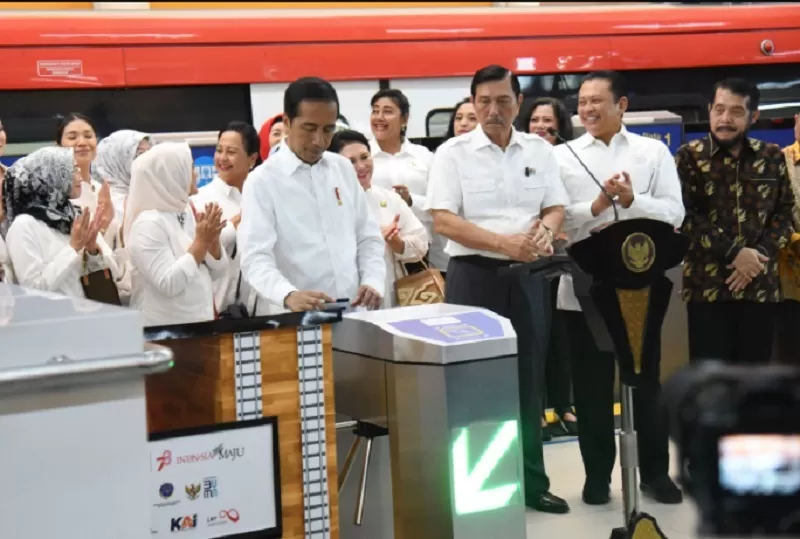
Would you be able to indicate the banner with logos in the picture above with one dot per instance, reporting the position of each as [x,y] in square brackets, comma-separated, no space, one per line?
[217,481]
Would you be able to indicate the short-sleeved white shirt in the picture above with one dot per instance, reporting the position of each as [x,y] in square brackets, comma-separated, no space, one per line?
[500,191]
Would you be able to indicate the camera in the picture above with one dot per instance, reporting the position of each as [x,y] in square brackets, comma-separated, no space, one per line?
[737,429]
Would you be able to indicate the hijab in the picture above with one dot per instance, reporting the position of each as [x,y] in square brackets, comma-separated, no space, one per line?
[40,185]
[160,180]
[115,155]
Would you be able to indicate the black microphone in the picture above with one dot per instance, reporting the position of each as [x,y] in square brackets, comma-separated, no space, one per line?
[554,132]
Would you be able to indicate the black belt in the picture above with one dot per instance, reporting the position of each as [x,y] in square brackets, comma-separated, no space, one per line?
[483,262]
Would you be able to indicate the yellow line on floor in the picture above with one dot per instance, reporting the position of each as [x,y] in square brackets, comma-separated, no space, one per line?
[551,416]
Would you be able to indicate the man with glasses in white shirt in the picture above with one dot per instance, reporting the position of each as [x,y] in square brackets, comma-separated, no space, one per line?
[307,236]
[496,196]
[640,174]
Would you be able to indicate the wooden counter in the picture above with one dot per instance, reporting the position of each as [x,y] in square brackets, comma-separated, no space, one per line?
[229,371]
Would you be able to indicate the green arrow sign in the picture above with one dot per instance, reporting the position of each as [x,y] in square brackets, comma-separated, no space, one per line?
[470,496]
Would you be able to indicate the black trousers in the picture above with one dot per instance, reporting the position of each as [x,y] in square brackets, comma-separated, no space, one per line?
[558,372]
[788,333]
[737,331]
[593,374]
[475,281]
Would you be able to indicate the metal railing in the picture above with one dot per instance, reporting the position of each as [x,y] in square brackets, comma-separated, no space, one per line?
[61,371]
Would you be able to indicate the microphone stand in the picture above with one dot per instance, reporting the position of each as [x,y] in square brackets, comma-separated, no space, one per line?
[552,131]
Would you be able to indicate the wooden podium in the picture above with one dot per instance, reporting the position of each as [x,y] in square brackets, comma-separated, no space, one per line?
[234,370]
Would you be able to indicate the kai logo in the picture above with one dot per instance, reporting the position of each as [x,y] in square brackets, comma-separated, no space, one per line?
[180,524]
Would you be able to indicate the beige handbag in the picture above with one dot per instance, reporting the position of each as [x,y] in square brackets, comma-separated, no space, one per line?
[421,288]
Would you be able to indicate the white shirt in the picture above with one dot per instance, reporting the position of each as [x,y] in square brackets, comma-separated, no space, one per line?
[384,205]
[43,259]
[657,189]
[410,167]
[308,228]
[169,287]
[500,191]
[229,200]
[5,263]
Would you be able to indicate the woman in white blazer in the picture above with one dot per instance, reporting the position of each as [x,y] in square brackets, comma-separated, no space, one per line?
[176,255]
[50,242]
[405,235]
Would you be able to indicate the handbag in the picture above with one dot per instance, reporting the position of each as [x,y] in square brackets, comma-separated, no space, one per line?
[99,285]
[238,310]
[422,288]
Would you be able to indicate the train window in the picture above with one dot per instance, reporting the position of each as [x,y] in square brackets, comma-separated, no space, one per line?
[28,115]
[437,121]
[683,91]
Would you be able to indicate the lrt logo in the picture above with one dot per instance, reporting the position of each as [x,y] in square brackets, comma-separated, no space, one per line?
[164,460]
[204,168]
[183,523]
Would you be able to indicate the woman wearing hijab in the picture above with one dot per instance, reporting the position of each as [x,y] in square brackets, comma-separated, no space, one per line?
[50,243]
[115,155]
[175,254]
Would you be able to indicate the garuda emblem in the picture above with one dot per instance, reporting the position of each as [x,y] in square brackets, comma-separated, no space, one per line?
[638,252]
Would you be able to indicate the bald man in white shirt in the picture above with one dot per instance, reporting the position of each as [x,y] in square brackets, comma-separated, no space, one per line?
[496,196]
[307,236]
[641,174]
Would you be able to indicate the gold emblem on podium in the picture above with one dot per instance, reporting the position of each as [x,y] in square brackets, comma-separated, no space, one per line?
[638,252]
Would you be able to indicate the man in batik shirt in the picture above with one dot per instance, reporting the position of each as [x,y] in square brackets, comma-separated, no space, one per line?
[738,217]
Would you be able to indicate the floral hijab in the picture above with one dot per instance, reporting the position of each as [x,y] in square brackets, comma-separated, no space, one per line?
[40,185]
[115,155]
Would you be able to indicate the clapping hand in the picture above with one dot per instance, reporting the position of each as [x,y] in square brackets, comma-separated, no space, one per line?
[391,235]
[84,232]
[209,224]
[542,238]
[404,193]
[105,207]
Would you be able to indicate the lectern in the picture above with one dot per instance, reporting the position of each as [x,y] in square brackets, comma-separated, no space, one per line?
[624,293]
[274,366]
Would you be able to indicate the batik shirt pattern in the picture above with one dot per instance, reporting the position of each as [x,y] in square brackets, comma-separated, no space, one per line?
[732,203]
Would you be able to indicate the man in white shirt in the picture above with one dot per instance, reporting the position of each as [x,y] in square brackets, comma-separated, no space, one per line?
[307,235]
[496,195]
[640,173]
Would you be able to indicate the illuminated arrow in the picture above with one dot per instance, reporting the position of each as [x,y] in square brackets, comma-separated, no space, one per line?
[469,494]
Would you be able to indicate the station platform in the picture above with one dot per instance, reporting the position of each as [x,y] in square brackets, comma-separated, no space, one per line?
[565,468]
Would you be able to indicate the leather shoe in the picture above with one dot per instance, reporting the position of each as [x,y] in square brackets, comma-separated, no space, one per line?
[548,503]
[662,490]
[596,492]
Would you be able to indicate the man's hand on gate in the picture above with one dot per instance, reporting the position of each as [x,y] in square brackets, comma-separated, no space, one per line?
[305,300]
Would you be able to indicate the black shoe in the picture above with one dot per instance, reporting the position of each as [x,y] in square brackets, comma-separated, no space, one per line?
[596,492]
[548,503]
[570,427]
[546,436]
[662,490]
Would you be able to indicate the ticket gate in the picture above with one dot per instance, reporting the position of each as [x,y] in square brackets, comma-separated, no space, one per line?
[442,379]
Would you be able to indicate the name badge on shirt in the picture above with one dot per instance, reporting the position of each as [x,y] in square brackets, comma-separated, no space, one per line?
[338,196]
